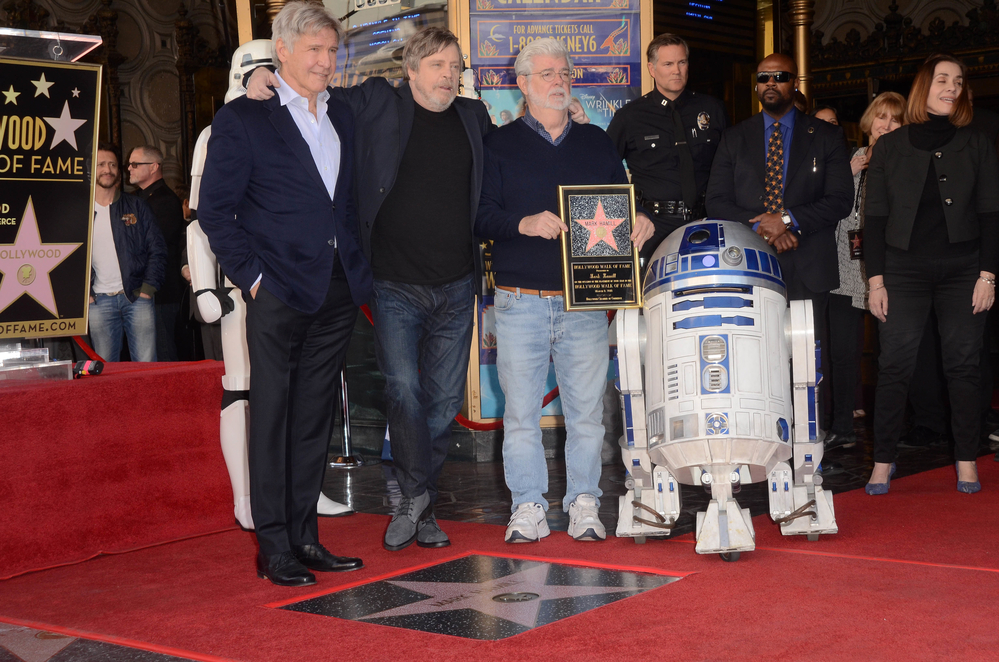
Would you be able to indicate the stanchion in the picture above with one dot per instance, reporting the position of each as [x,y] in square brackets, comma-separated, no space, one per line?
[347,459]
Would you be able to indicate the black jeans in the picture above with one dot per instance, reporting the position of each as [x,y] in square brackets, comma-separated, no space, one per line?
[844,359]
[914,285]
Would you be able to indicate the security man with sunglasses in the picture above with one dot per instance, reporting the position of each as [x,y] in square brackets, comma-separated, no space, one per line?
[788,176]
[669,138]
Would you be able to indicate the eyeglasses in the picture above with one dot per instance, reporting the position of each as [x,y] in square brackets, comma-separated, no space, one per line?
[763,77]
[134,164]
[548,75]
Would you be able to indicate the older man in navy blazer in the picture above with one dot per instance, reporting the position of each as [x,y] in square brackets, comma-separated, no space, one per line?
[277,206]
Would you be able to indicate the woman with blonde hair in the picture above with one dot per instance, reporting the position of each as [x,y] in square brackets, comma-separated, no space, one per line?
[932,240]
[848,302]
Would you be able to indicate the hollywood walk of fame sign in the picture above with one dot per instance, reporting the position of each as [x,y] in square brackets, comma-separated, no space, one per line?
[481,597]
[48,142]
[599,262]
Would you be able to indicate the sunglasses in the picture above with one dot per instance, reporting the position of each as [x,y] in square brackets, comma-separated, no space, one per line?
[763,77]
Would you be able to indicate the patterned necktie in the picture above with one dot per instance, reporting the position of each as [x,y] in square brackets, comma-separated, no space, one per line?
[774,181]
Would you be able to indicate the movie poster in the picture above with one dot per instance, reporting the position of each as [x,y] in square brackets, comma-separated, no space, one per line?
[48,139]
[603,38]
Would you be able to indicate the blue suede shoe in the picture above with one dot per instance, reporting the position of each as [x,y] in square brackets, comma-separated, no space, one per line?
[874,489]
[965,486]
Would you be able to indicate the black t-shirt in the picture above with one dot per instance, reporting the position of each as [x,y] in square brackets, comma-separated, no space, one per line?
[422,234]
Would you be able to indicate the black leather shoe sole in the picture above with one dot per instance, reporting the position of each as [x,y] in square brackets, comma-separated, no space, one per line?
[354,564]
[304,580]
[396,548]
[443,543]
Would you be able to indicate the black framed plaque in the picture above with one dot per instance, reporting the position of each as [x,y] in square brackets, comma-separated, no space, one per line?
[599,261]
[48,140]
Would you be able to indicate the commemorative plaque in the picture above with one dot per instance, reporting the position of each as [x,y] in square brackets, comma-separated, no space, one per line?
[599,261]
[48,140]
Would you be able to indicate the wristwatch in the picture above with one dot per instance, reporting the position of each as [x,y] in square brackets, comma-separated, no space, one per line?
[785,217]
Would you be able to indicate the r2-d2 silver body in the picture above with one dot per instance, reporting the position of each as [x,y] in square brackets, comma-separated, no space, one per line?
[727,395]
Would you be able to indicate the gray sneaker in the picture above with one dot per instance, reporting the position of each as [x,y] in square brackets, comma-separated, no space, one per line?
[429,534]
[401,530]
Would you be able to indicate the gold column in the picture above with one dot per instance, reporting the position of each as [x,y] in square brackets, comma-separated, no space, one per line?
[274,8]
[802,13]
[244,21]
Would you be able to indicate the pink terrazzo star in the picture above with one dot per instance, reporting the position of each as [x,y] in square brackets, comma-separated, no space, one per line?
[26,264]
[601,228]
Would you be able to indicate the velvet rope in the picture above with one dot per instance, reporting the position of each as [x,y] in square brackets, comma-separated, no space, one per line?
[88,350]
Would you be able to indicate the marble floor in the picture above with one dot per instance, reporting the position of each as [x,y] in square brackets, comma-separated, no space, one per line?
[475,491]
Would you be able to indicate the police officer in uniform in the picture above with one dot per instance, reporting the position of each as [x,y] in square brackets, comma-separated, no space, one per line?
[669,138]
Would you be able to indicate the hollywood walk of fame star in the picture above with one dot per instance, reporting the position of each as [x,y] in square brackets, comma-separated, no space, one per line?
[451,596]
[65,127]
[42,86]
[76,92]
[601,228]
[11,96]
[22,262]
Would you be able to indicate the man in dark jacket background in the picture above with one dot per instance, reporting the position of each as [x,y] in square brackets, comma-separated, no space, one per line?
[128,262]
[145,170]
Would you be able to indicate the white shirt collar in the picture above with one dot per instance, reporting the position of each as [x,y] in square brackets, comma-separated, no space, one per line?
[288,95]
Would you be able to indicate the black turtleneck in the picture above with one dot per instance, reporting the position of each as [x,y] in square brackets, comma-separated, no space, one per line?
[930,224]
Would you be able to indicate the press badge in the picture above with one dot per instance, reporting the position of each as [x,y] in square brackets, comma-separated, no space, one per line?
[856,244]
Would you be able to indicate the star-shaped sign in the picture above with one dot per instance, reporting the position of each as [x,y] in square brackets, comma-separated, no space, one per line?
[855,242]
[76,92]
[451,596]
[11,96]
[42,86]
[601,228]
[65,127]
[25,264]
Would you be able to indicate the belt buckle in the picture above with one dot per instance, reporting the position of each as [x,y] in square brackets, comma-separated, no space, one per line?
[541,293]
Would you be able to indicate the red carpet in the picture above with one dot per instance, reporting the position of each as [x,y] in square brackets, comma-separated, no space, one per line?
[110,462]
[911,576]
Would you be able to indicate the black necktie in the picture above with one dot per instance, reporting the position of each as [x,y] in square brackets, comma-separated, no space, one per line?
[688,184]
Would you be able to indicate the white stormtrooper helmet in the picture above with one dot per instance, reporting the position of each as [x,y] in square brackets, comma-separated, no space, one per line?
[247,57]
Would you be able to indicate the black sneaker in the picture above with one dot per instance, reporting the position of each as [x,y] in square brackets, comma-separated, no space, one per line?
[838,440]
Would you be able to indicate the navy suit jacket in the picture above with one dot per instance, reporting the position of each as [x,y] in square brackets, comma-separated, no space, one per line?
[266,211]
[384,118]
[818,191]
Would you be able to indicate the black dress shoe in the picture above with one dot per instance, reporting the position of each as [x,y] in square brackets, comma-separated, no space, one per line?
[837,440]
[316,557]
[284,570]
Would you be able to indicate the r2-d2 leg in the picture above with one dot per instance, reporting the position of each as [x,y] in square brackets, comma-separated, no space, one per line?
[652,503]
[797,501]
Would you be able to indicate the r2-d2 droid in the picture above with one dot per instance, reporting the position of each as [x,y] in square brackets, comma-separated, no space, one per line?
[728,394]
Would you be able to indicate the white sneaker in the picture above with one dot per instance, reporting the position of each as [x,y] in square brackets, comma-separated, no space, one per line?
[584,520]
[528,524]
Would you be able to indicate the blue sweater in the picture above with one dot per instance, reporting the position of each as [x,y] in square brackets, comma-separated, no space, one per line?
[521,177]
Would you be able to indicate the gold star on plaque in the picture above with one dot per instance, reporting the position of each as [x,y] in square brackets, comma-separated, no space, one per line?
[42,86]
[11,96]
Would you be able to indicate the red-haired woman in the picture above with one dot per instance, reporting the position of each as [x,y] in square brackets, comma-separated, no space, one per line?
[932,240]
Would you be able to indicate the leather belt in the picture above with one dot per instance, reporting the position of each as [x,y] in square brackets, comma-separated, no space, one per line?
[672,208]
[109,294]
[544,294]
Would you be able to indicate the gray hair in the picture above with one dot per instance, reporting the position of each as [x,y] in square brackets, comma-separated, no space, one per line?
[546,46]
[150,152]
[428,41]
[300,18]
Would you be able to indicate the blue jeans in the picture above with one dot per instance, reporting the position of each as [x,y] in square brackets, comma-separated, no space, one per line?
[529,330]
[423,334]
[111,314]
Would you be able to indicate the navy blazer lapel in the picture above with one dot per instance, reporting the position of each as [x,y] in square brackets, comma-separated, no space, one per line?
[341,134]
[758,148]
[801,147]
[285,125]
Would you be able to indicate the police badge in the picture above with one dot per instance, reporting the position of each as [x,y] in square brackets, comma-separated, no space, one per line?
[703,121]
